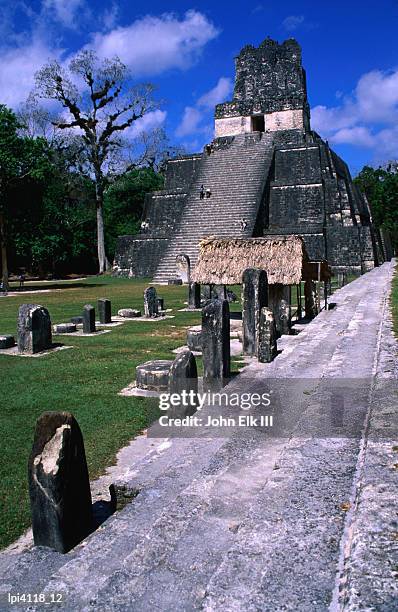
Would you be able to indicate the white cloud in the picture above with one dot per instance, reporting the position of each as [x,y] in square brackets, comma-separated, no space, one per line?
[359,136]
[292,22]
[148,122]
[67,12]
[366,118]
[218,94]
[190,122]
[17,70]
[152,45]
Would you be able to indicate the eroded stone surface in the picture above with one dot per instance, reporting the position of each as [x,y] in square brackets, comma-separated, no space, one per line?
[216,344]
[64,328]
[6,342]
[59,485]
[150,302]
[183,376]
[254,297]
[153,375]
[266,347]
[104,311]
[89,319]
[34,329]
[129,313]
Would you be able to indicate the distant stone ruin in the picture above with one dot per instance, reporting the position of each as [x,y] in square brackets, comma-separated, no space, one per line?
[268,174]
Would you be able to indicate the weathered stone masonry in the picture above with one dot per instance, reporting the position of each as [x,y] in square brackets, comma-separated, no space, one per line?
[265,166]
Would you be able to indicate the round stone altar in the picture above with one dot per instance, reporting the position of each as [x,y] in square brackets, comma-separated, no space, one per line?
[153,375]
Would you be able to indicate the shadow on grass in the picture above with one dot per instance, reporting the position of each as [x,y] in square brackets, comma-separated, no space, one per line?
[55,286]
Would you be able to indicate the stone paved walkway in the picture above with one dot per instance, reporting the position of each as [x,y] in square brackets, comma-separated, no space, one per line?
[305,520]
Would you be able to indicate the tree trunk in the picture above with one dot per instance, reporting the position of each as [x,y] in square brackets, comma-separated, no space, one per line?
[4,261]
[103,262]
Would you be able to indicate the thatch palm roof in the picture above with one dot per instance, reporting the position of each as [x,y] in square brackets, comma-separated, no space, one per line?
[222,261]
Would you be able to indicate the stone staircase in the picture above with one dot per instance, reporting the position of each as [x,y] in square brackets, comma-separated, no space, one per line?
[236,172]
[245,522]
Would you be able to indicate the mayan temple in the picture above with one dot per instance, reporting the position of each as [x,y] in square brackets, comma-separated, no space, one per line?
[266,172]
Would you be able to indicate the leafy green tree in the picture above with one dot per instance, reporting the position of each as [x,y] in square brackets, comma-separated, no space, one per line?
[124,202]
[380,186]
[20,159]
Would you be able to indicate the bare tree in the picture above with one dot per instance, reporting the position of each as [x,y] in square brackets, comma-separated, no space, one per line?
[100,105]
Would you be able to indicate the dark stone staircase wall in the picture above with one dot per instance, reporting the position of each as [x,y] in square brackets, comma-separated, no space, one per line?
[236,171]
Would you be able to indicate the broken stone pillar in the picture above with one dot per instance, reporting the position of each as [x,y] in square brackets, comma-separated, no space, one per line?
[254,297]
[183,265]
[310,299]
[150,302]
[88,319]
[183,376]
[104,311]
[34,329]
[194,295]
[216,344]
[266,347]
[59,485]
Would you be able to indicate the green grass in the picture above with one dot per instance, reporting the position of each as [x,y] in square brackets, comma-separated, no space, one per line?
[394,301]
[84,380]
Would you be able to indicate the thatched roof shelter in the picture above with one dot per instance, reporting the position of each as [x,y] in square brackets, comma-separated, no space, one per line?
[222,261]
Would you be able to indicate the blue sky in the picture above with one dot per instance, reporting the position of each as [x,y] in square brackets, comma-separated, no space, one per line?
[350,52]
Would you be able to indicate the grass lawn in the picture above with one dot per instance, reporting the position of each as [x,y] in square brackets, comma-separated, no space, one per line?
[394,300]
[84,380]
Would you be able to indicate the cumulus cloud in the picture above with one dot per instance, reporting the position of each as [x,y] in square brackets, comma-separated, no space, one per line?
[292,22]
[190,122]
[367,117]
[195,119]
[18,67]
[152,45]
[218,94]
[148,122]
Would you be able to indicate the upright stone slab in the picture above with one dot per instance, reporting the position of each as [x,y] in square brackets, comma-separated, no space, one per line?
[219,292]
[150,302]
[104,311]
[216,344]
[183,265]
[183,376]
[34,329]
[160,303]
[254,297]
[88,319]
[310,299]
[59,485]
[194,295]
[266,347]
[279,303]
